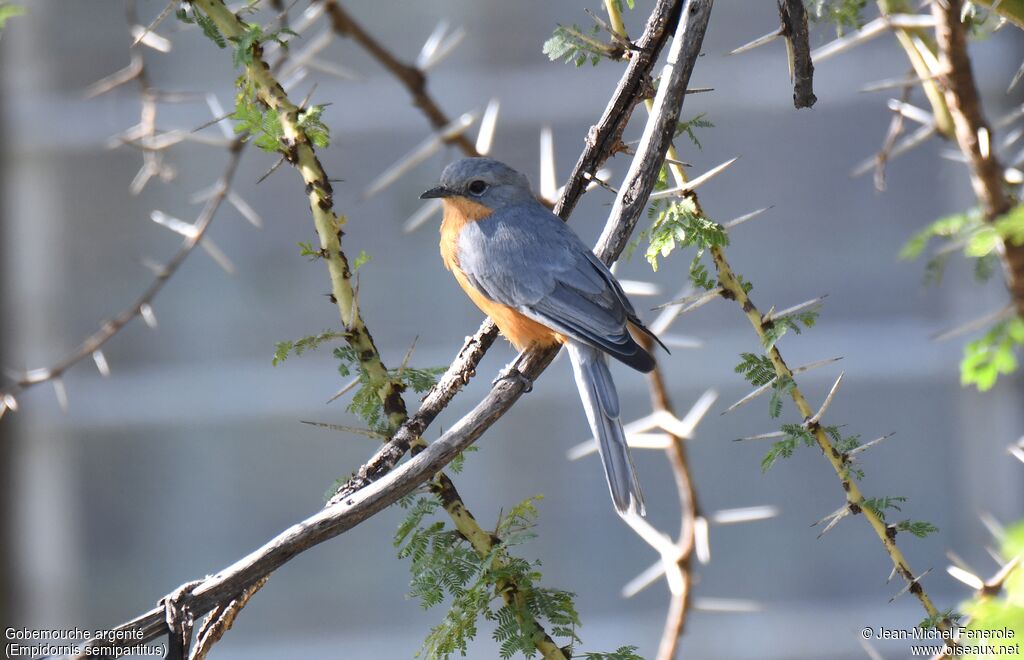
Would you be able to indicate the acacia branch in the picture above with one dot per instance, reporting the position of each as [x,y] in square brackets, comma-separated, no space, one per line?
[358,506]
[794,29]
[414,80]
[679,604]
[112,326]
[974,136]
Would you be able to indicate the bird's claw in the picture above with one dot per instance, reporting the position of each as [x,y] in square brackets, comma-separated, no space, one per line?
[511,372]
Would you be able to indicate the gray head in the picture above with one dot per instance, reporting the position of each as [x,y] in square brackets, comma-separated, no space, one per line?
[482,180]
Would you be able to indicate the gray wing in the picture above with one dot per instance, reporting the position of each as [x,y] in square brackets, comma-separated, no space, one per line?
[527,258]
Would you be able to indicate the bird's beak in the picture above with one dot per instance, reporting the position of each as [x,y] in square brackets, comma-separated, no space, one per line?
[437,192]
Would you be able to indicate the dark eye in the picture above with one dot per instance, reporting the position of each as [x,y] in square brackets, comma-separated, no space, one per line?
[477,187]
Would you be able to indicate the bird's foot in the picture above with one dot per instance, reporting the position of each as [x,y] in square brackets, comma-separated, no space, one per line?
[511,372]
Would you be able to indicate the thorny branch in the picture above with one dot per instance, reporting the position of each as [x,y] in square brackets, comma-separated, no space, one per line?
[152,165]
[974,136]
[360,505]
[794,29]
[412,77]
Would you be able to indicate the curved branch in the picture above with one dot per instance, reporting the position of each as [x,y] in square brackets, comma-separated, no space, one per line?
[412,77]
[972,131]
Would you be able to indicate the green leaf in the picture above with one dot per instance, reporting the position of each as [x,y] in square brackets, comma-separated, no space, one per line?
[687,127]
[8,11]
[679,223]
[844,14]
[285,348]
[993,355]
[879,505]
[918,528]
[575,46]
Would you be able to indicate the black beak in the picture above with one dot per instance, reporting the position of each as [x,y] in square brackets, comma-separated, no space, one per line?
[437,192]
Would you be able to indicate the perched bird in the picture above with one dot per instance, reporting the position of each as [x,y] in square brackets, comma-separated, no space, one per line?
[541,285]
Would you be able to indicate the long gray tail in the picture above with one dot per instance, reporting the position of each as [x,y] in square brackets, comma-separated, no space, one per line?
[601,401]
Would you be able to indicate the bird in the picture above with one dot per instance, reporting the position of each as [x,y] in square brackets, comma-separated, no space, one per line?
[542,286]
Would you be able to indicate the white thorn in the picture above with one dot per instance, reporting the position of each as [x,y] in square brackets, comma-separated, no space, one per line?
[548,178]
[743,515]
[789,311]
[975,324]
[828,401]
[869,445]
[332,69]
[648,440]
[488,124]
[833,519]
[1013,176]
[670,552]
[734,605]
[913,140]
[911,112]
[422,215]
[760,41]
[243,207]
[638,288]
[420,153]
[213,103]
[1016,78]
[761,436]
[993,526]
[968,578]
[217,255]
[101,362]
[174,224]
[151,39]
[147,314]
[61,393]
[445,49]
[701,542]
[744,218]
[38,375]
[893,83]
[145,173]
[869,31]
[10,403]
[153,266]
[984,145]
[695,182]
[680,341]
[1016,452]
[340,393]
[646,578]
[696,413]
[431,45]
[667,315]
[907,586]
[869,649]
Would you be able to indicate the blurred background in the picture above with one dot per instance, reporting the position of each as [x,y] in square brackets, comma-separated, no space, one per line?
[191,453]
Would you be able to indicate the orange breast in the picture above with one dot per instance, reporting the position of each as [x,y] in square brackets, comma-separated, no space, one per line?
[520,330]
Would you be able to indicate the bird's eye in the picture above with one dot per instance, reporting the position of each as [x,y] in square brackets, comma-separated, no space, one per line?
[477,187]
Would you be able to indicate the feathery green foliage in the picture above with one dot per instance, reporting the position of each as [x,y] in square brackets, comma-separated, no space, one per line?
[309,343]
[186,14]
[758,370]
[577,46]
[993,354]
[621,653]
[687,127]
[678,223]
[499,588]
[778,325]
[264,126]
[844,14]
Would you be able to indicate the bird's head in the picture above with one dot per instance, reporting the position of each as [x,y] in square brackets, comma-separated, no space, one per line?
[484,181]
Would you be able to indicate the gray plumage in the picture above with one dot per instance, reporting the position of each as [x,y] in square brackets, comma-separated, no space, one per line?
[523,256]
